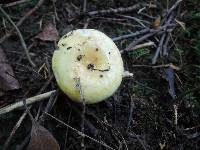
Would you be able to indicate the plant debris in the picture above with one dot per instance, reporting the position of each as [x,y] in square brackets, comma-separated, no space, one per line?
[49,33]
[42,139]
[156,107]
[7,77]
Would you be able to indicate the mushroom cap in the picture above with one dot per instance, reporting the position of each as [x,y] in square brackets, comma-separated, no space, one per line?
[92,57]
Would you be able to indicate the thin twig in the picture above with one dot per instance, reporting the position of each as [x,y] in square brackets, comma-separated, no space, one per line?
[117,10]
[174,7]
[80,133]
[16,3]
[20,36]
[147,44]
[131,35]
[52,100]
[165,45]
[175,115]
[23,117]
[66,134]
[29,101]
[158,66]
[152,32]
[136,19]
[82,98]
[130,117]
[168,13]
[159,49]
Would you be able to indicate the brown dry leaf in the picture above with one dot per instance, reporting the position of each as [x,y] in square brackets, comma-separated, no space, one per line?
[42,139]
[49,33]
[7,77]
[156,23]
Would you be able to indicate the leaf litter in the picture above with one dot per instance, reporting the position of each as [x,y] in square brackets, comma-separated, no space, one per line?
[49,33]
[42,139]
[7,77]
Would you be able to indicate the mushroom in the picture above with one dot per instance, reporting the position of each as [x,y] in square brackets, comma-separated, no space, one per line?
[92,57]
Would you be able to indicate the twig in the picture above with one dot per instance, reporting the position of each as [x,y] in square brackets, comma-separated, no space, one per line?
[79,87]
[159,66]
[28,14]
[23,117]
[20,36]
[16,3]
[117,10]
[136,19]
[170,11]
[147,15]
[66,134]
[175,115]
[29,101]
[86,23]
[173,7]
[49,106]
[131,35]
[52,100]
[152,32]
[132,107]
[80,133]
[55,12]
[165,46]
[159,49]
[148,44]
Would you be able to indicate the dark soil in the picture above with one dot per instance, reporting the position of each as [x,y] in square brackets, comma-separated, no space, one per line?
[141,114]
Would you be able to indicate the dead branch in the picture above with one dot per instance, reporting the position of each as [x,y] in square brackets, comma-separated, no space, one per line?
[147,44]
[16,3]
[29,101]
[165,46]
[152,32]
[117,10]
[159,66]
[131,35]
[159,49]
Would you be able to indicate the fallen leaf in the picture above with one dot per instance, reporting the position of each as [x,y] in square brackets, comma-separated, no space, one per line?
[156,23]
[7,77]
[49,33]
[42,139]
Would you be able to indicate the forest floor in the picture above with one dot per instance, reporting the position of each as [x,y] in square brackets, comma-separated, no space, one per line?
[157,108]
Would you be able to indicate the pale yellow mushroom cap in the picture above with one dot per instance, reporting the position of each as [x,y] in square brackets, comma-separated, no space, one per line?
[93,57]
